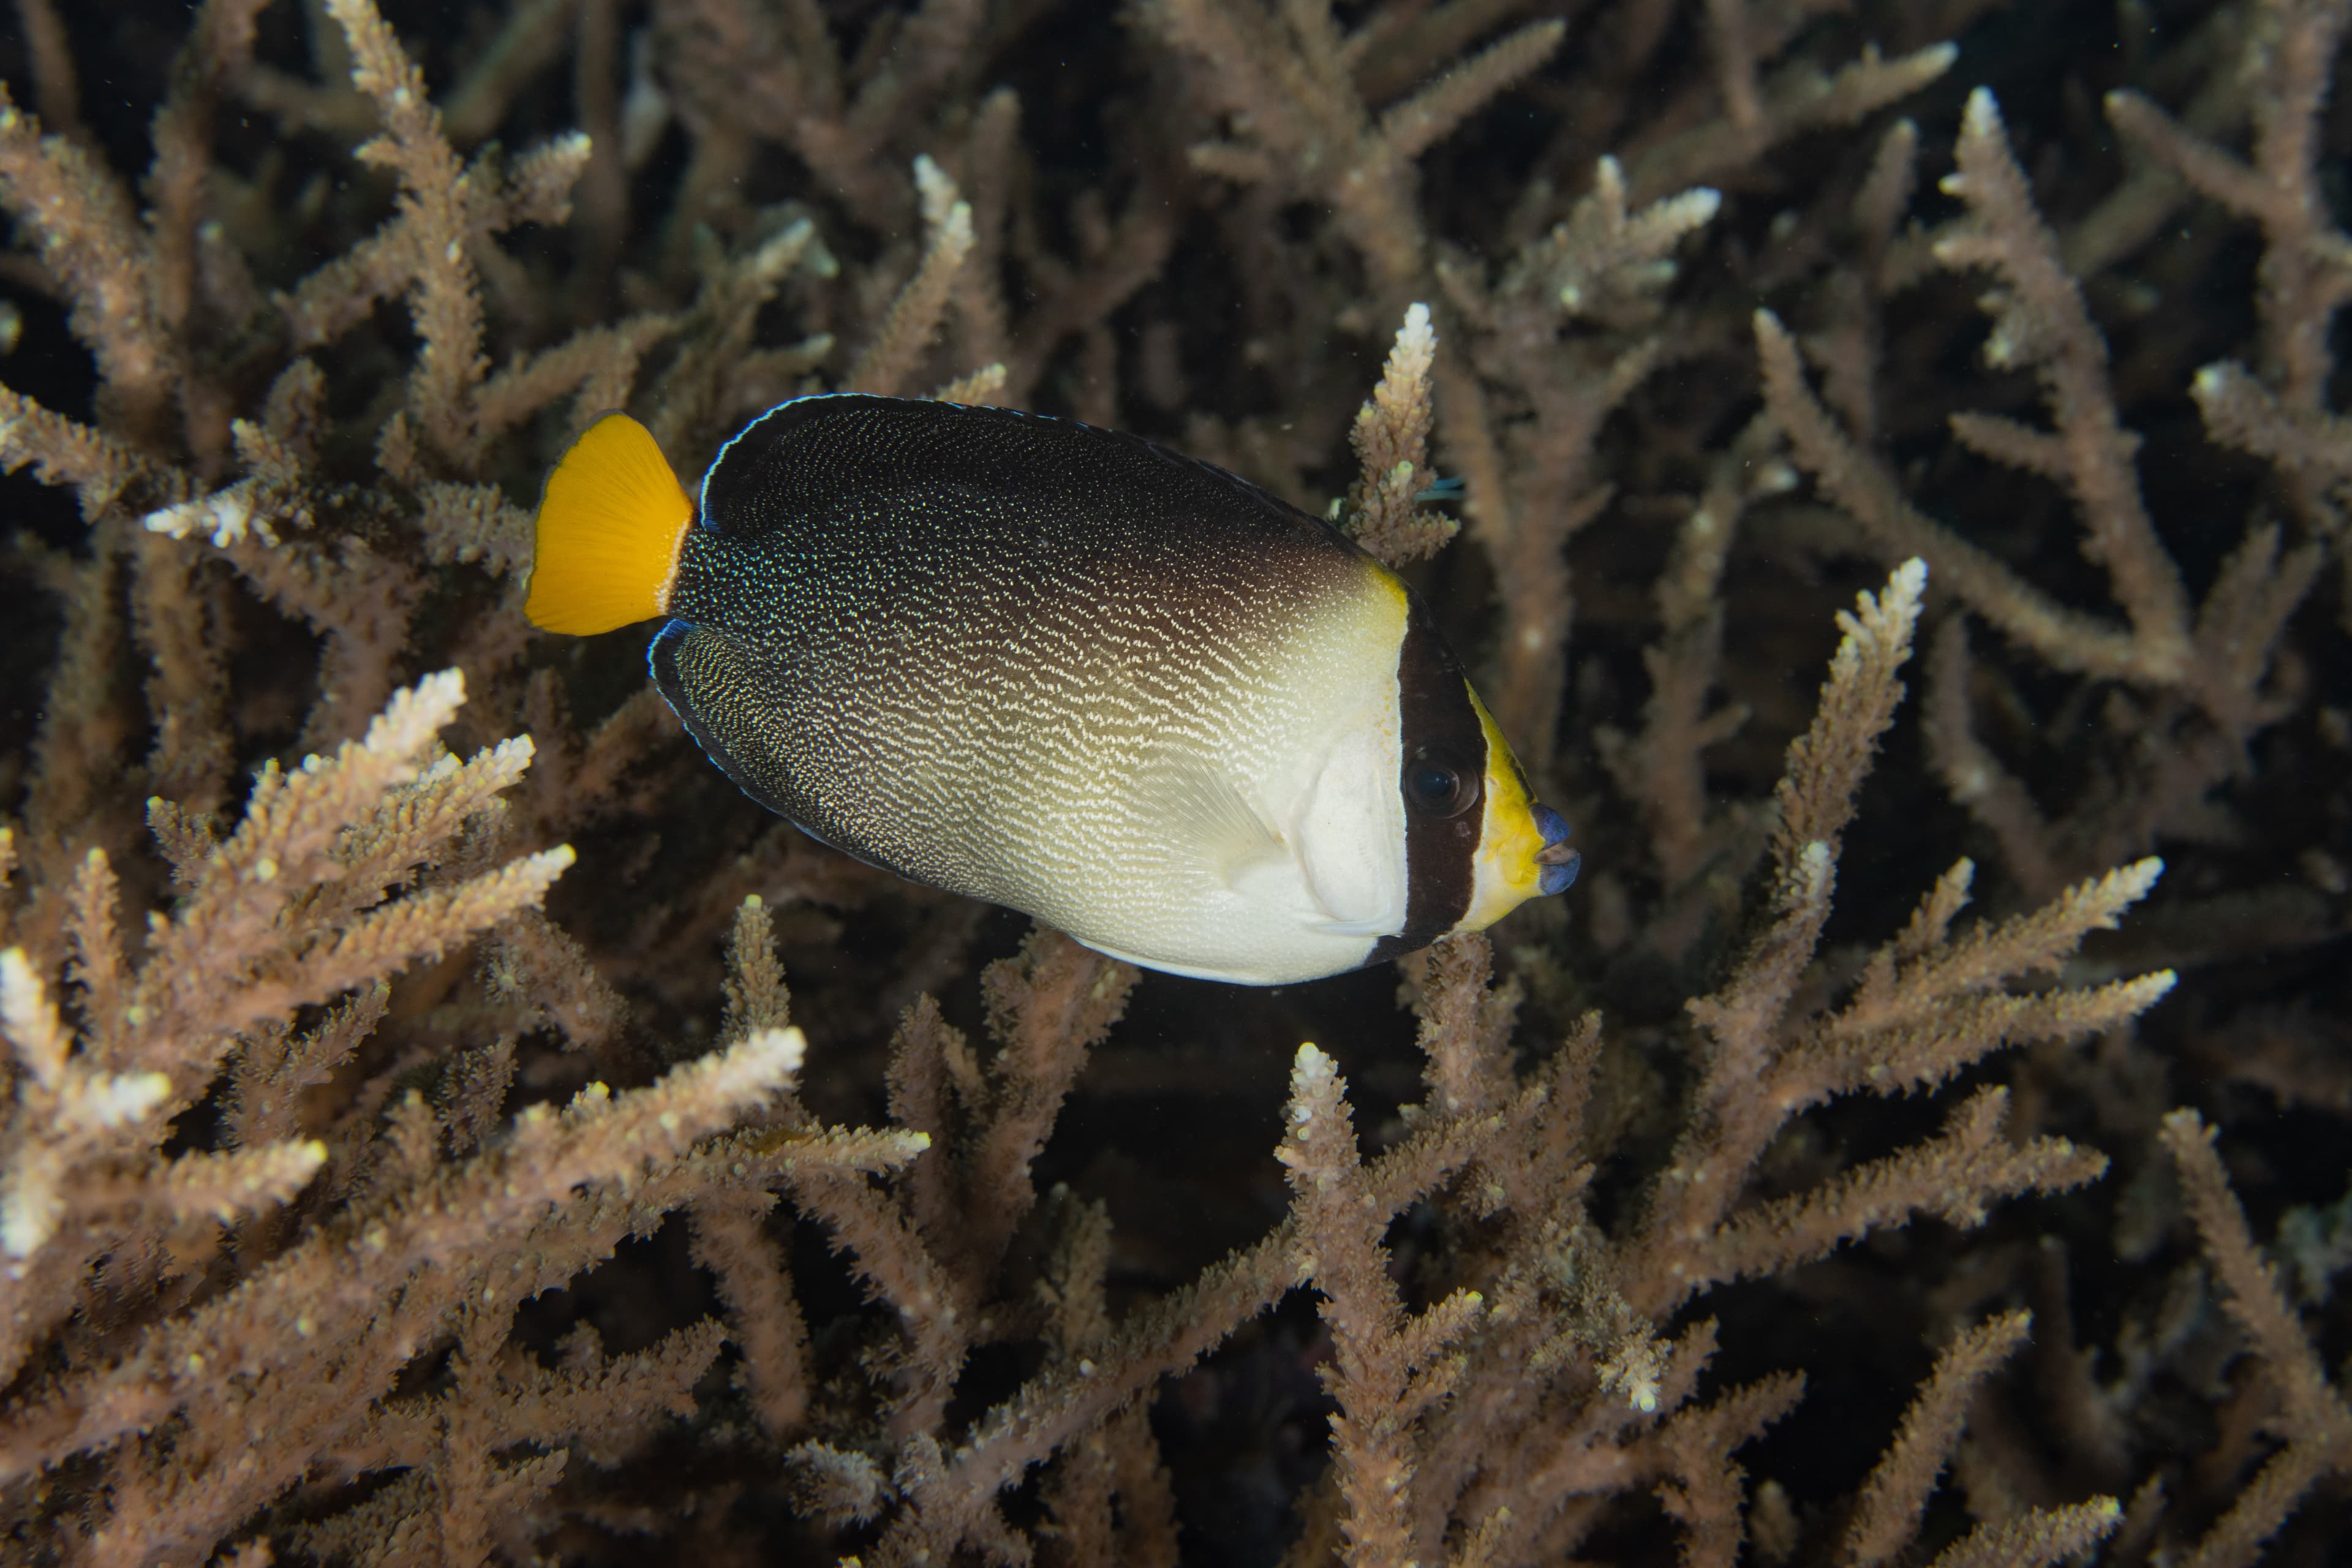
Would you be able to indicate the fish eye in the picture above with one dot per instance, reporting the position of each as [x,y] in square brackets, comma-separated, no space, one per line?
[1435,787]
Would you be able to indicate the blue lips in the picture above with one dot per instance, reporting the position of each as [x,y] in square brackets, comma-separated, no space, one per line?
[1558,863]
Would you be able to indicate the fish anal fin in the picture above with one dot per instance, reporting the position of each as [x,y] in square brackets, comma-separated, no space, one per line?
[712,688]
[725,702]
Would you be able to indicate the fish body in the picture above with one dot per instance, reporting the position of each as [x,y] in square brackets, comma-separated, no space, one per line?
[1063,669]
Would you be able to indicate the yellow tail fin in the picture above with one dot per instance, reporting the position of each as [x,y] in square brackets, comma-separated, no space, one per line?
[611,526]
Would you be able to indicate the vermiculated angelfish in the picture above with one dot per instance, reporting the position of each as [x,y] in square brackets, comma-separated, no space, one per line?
[1060,668]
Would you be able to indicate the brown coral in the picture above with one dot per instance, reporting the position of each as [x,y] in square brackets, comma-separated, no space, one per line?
[416,1153]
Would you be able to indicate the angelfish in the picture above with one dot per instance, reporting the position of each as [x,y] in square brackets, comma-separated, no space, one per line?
[1064,669]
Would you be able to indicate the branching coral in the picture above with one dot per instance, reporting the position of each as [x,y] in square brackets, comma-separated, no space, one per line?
[416,1153]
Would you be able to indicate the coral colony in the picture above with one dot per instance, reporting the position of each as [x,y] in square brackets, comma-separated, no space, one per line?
[1879,460]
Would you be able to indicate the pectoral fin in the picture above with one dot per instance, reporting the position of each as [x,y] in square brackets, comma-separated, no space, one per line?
[1206,810]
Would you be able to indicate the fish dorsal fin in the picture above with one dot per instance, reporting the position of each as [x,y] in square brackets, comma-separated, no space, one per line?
[611,523]
[820,456]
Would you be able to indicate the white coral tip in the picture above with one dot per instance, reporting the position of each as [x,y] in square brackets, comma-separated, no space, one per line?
[28,1213]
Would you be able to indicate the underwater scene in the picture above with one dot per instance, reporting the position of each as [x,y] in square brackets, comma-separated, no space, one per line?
[1416,783]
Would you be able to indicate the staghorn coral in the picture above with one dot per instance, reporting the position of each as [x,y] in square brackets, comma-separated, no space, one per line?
[444,1123]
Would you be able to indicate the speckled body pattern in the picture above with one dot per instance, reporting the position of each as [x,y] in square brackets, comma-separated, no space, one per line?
[1063,669]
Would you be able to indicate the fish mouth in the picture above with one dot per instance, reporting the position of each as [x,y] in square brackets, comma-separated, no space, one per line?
[1558,861]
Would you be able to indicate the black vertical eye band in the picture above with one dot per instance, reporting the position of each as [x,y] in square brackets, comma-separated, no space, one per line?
[1442,778]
